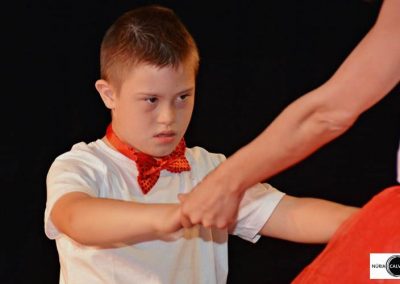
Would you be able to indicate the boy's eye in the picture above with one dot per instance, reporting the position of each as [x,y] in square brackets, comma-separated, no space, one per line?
[183,97]
[151,100]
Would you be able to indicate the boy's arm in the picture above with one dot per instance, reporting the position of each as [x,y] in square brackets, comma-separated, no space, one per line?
[105,222]
[306,220]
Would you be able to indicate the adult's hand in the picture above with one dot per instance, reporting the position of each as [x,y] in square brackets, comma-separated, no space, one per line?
[214,202]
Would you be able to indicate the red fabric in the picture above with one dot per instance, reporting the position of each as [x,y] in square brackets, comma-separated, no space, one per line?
[345,259]
[148,167]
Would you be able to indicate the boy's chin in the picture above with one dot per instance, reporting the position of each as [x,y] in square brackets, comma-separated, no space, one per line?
[159,150]
[159,153]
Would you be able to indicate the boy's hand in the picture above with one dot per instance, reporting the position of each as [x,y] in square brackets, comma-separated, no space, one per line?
[210,204]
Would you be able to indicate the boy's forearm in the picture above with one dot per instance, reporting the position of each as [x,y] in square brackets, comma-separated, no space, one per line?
[307,220]
[317,220]
[106,222]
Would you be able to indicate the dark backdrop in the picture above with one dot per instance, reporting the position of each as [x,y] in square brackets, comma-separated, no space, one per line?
[256,58]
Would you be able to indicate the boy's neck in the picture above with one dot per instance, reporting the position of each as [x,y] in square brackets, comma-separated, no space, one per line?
[105,140]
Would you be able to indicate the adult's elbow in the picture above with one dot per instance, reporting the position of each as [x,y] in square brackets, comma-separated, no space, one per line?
[335,123]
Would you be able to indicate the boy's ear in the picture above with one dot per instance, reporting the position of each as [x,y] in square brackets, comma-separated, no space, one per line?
[106,92]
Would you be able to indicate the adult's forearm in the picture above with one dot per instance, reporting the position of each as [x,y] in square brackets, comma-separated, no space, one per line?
[364,78]
[297,132]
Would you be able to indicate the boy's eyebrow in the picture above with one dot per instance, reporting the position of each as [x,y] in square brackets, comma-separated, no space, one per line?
[157,94]
[186,91]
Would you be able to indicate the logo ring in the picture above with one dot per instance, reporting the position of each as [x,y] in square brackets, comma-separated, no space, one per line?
[394,260]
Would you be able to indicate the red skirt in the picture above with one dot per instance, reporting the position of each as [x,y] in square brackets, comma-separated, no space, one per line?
[346,258]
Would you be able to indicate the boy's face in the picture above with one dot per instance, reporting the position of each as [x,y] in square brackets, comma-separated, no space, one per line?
[153,107]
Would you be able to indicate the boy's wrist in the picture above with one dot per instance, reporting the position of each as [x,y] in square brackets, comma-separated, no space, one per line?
[170,219]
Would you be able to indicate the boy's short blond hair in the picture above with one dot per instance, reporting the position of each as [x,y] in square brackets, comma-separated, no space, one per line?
[152,35]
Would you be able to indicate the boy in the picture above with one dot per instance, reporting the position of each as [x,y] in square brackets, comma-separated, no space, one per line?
[112,205]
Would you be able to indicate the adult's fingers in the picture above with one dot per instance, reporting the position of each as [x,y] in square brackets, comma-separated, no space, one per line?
[182,197]
[185,221]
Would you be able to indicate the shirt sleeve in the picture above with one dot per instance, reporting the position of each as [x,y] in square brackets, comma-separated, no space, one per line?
[257,205]
[66,174]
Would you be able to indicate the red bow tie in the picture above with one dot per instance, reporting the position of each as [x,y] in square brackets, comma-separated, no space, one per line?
[149,168]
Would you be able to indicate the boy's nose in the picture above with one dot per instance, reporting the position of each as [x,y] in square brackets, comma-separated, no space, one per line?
[166,115]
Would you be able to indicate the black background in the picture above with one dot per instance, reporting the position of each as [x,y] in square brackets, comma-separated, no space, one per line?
[256,58]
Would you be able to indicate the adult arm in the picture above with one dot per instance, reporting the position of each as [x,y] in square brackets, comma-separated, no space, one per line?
[107,222]
[369,73]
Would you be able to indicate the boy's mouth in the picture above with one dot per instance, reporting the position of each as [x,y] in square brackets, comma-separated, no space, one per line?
[165,136]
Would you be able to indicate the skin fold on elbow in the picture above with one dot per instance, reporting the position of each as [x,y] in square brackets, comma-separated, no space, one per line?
[332,124]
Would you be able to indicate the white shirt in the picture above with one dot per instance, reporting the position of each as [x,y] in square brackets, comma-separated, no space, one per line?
[196,255]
